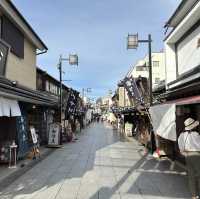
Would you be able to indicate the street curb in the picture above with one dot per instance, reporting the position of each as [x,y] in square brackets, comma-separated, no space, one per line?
[15,175]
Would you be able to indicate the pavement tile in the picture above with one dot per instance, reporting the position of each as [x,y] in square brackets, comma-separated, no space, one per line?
[99,166]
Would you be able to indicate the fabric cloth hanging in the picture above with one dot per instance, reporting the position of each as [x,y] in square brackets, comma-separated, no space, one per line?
[164,120]
[9,107]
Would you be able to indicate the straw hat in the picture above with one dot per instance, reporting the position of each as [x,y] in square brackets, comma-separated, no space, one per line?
[190,124]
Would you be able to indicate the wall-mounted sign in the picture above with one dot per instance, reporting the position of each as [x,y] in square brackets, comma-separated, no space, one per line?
[54,134]
[4,49]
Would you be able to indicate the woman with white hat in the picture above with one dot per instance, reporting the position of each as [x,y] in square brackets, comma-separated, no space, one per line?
[189,145]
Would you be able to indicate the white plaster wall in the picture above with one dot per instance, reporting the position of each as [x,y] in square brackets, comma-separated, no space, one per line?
[188,52]
[170,60]
[23,70]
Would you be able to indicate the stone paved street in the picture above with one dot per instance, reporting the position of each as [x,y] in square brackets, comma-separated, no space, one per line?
[100,165]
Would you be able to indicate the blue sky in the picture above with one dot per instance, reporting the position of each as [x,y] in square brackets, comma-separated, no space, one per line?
[96,30]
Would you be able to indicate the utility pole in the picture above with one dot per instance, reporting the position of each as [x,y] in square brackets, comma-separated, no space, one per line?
[132,43]
[73,60]
[150,70]
[60,72]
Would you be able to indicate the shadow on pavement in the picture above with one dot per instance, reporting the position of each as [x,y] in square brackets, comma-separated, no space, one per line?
[74,172]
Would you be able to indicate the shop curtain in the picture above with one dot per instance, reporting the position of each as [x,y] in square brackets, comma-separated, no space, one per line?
[9,108]
[164,120]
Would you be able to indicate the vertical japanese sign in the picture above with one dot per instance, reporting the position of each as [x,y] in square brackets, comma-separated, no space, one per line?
[33,135]
[22,133]
[132,89]
[54,134]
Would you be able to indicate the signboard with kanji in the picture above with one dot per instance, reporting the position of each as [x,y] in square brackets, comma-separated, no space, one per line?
[54,134]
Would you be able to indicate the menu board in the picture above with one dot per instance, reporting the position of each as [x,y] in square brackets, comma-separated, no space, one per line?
[54,134]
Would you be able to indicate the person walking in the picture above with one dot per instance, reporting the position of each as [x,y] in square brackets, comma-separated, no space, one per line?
[189,146]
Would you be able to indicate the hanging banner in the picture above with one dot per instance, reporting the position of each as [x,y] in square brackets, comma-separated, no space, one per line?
[33,135]
[72,103]
[54,134]
[164,120]
[22,133]
[132,89]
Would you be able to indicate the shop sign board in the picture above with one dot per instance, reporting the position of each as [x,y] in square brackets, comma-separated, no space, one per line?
[128,129]
[33,135]
[54,134]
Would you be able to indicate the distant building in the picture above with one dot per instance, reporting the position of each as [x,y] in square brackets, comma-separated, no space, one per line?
[158,68]
[105,103]
[140,70]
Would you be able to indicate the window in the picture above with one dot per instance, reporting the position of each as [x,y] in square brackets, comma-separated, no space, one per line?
[39,81]
[51,87]
[141,68]
[47,85]
[3,57]
[155,63]
[13,36]
[198,43]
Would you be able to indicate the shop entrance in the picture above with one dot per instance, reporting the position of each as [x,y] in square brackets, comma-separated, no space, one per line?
[182,113]
[8,134]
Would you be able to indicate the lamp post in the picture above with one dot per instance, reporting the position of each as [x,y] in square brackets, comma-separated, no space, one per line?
[132,43]
[73,60]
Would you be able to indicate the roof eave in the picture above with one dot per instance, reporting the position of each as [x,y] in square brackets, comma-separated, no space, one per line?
[42,45]
[167,24]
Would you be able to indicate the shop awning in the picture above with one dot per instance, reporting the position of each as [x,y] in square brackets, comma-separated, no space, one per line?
[164,116]
[187,100]
[164,120]
[9,107]
[24,94]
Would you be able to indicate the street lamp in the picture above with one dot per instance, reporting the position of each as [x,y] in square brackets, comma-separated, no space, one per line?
[73,60]
[132,43]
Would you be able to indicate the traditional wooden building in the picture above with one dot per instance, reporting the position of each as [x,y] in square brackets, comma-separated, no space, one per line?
[182,96]
[19,47]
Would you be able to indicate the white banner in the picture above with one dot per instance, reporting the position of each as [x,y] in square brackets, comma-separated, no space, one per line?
[188,52]
[164,120]
[54,134]
[9,107]
[33,135]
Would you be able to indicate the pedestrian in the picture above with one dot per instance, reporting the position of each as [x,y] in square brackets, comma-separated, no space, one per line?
[73,128]
[189,145]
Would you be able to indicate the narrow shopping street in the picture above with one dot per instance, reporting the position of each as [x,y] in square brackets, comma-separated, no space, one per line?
[100,165]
